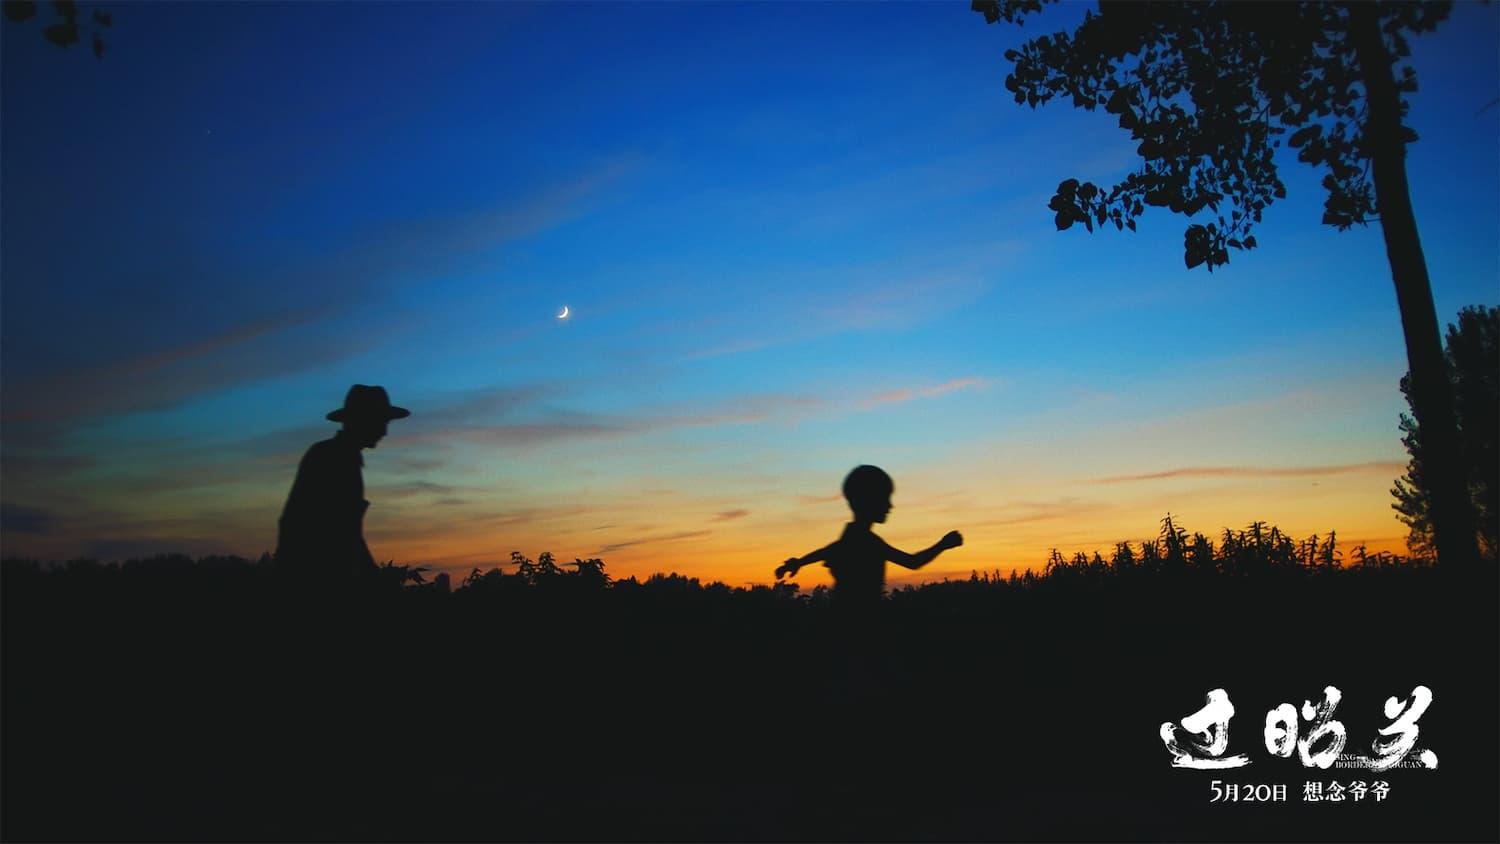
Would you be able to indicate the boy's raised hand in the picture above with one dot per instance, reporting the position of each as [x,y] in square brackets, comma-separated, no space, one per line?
[952,539]
[788,568]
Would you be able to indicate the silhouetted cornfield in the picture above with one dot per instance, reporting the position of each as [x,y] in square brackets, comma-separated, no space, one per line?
[221,698]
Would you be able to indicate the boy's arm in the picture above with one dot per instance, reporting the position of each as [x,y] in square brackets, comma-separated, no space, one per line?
[952,539]
[791,566]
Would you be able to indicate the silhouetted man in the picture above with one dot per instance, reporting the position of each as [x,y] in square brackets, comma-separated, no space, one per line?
[322,525]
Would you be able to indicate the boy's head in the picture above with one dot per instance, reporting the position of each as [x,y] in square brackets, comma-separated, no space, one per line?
[868,490]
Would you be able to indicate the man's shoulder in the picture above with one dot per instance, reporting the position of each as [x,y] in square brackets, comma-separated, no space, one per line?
[321,447]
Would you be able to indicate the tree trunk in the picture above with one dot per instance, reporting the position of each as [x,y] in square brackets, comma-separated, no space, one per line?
[1432,396]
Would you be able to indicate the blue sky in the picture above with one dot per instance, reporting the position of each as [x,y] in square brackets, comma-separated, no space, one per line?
[794,238]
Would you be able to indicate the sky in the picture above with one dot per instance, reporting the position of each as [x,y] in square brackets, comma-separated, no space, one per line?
[793,238]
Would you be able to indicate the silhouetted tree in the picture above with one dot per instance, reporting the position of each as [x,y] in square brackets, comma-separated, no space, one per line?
[1473,365]
[392,574]
[590,572]
[1207,89]
[68,24]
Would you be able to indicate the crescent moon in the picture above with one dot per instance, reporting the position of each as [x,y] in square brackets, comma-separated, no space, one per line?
[564,314]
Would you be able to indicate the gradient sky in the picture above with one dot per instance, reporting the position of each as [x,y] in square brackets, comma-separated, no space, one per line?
[794,237]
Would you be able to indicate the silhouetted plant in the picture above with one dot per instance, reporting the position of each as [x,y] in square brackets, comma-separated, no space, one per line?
[590,572]
[1472,358]
[1201,554]
[1174,544]
[1150,559]
[539,572]
[395,575]
[672,582]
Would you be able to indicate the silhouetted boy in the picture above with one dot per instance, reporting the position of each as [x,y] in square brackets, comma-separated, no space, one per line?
[857,559]
[322,525]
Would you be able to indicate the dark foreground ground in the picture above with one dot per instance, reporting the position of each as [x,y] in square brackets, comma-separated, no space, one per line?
[220,702]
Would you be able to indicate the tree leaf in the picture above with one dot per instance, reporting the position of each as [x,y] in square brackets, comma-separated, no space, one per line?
[62,34]
[1118,102]
[1305,134]
[20,10]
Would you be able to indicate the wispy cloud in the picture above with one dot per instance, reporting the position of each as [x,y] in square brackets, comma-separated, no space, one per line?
[18,518]
[510,221]
[903,303]
[821,499]
[527,515]
[1384,466]
[529,434]
[454,424]
[770,407]
[888,295]
[80,392]
[729,515]
[281,443]
[487,416]
[51,465]
[907,394]
[259,322]
[482,404]
[666,537]
[1032,512]
[889,305]
[41,409]
[418,464]
[415,488]
[747,345]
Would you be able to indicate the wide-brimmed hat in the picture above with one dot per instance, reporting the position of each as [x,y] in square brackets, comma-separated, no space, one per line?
[365,402]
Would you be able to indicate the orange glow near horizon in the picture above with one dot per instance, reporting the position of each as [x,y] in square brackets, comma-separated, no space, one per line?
[1000,536]
[650,503]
